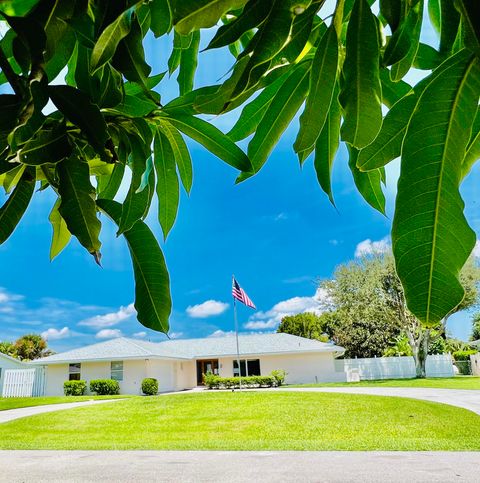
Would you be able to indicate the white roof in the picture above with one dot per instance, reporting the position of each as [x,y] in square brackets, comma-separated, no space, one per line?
[11,359]
[187,349]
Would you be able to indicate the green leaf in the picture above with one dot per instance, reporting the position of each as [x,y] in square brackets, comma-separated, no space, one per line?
[197,14]
[61,236]
[450,22]
[281,111]
[17,8]
[77,206]
[361,92]
[161,13]
[106,45]
[431,237]
[47,147]
[152,286]
[327,145]
[108,185]
[388,144]
[180,152]
[213,139]
[392,92]
[427,58]
[135,106]
[470,11]
[392,12]
[473,148]
[188,65]
[16,205]
[88,118]
[168,192]
[369,184]
[323,76]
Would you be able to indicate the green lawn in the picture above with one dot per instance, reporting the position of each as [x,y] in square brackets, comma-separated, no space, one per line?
[251,421]
[23,402]
[457,382]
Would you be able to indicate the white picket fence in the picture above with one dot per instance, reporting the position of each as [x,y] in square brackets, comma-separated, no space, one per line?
[394,367]
[24,382]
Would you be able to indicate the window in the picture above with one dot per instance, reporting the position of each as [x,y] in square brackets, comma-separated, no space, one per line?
[116,369]
[74,371]
[247,367]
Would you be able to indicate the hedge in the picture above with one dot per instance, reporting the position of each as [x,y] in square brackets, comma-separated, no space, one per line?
[104,387]
[463,355]
[150,386]
[74,388]
[213,381]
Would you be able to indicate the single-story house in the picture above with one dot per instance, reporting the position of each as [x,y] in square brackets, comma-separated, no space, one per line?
[7,362]
[179,364]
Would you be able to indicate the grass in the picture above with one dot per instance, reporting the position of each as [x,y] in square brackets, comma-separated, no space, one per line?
[251,421]
[23,402]
[457,382]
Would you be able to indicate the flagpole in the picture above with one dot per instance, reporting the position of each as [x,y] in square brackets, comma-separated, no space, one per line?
[236,338]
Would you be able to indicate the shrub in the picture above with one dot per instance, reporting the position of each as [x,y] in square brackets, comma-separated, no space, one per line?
[279,375]
[104,387]
[74,388]
[150,386]
[216,382]
[463,355]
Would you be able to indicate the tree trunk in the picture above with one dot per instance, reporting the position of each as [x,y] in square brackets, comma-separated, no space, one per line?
[419,346]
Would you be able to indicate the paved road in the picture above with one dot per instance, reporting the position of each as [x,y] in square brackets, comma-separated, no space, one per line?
[238,467]
[463,398]
[11,414]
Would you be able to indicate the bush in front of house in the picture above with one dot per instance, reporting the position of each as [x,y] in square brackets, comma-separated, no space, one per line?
[213,381]
[74,388]
[150,386]
[279,375]
[104,387]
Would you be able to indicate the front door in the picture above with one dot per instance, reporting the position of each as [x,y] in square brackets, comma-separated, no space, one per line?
[205,366]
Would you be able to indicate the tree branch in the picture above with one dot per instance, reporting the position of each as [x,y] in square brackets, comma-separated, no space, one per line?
[13,79]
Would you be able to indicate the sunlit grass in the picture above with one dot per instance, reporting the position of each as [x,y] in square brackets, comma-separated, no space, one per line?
[23,402]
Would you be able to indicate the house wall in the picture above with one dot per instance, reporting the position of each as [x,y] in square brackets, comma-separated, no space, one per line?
[300,368]
[7,363]
[185,375]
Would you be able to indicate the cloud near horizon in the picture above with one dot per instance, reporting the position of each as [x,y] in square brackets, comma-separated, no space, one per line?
[110,319]
[109,334]
[209,308]
[369,247]
[55,334]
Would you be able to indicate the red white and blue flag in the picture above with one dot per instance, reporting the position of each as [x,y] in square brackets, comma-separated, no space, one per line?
[239,294]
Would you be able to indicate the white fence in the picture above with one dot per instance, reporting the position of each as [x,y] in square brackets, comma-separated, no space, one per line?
[395,367]
[24,382]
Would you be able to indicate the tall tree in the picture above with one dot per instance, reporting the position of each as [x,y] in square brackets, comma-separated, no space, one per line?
[7,348]
[309,325]
[475,327]
[31,346]
[343,68]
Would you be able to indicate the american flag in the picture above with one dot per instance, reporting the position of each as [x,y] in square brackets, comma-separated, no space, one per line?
[239,294]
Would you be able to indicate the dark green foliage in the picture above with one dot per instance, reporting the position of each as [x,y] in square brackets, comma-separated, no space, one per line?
[104,387]
[463,355]
[216,382]
[475,327]
[150,386]
[74,388]
[309,325]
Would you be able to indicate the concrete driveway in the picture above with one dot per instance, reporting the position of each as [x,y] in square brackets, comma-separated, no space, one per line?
[238,466]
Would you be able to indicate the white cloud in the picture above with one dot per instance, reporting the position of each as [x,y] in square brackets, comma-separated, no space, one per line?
[54,334]
[109,334]
[110,319]
[476,250]
[206,309]
[140,335]
[221,333]
[281,216]
[333,242]
[295,305]
[369,247]
[175,335]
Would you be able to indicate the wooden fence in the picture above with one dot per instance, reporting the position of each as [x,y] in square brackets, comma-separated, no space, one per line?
[24,382]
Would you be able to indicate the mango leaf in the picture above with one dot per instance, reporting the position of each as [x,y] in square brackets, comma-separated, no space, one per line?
[392,92]
[213,139]
[77,206]
[161,14]
[473,149]
[281,111]
[430,235]
[392,12]
[181,154]
[327,145]
[323,76]
[107,43]
[16,205]
[185,104]
[197,14]
[450,22]
[61,236]
[369,184]
[470,11]
[152,285]
[17,8]
[88,118]
[388,144]
[188,65]
[427,58]
[108,185]
[361,92]
[168,192]
[47,147]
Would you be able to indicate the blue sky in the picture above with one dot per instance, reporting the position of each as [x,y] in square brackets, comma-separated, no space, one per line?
[277,232]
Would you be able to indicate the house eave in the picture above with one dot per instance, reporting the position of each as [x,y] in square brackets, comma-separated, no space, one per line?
[109,358]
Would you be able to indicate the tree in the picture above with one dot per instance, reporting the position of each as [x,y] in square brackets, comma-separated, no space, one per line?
[370,290]
[475,327]
[7,348]
[289,52]
[308,325]
[31,346]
